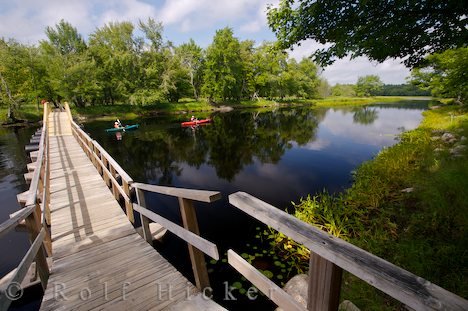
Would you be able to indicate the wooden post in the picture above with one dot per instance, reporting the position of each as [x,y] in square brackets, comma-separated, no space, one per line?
[106,177]
[128,204]
[144,220]
[114,187]
[189,219]
[41,261]
[47,189]
[324,284]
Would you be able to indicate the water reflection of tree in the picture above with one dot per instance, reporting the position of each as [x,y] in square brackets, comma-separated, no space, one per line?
[365,115]
[231,142]
[13,158]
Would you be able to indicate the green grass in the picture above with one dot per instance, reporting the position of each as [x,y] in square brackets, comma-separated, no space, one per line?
[26,112]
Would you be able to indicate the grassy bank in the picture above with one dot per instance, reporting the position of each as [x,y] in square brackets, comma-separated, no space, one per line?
[421,229]
[27,112]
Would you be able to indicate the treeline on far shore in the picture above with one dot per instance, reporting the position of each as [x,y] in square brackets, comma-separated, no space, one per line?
[115,65]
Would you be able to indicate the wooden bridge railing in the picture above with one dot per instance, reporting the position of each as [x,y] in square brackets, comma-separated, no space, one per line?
[123,186]
[36,215]
[113,174]
[329,256]
[190,233]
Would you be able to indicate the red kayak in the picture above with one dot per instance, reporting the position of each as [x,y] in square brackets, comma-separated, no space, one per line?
[196,122]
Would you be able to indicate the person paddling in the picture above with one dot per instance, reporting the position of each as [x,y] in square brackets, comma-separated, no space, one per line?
[117,124]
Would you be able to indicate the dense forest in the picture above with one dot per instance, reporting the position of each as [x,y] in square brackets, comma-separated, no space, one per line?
[125,63]
[114,65]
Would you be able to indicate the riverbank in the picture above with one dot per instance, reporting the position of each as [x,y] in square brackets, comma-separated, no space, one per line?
[407,205]
[29,113]
[203,109]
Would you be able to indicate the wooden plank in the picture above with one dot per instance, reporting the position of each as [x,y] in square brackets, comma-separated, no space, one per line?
[324,284]
[29,148]
[22,270]
[205,246]
[189,219]
[197,195]
[31,166]
[22,197]
[28,177]
[270,289]
[11,223]
[402,285]
[33,155]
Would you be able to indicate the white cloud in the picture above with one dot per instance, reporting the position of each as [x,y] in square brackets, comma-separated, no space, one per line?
[26,21]
[347,71]
[126,10]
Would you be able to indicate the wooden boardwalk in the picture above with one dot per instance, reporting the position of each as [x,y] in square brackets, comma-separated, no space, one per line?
[99,260]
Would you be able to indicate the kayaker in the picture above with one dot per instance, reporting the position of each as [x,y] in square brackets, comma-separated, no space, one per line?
[117,124]
[193,119]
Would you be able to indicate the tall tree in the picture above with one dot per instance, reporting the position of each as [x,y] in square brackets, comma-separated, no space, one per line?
[191,57]
[19,72]
[70,71]
[368,85]
[116,52]
[223,71]
[375,28]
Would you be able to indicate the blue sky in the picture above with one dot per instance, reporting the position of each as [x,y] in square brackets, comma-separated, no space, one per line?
[25,20]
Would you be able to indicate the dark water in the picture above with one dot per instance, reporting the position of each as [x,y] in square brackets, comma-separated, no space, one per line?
[276,155]
[14,245]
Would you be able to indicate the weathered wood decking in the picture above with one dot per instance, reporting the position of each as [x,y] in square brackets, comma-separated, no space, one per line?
[99,260]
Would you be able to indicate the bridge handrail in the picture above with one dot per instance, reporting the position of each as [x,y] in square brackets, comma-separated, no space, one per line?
[190,233]
[109,169]
[192,194]
[402,285]
[202,244]
[35,221]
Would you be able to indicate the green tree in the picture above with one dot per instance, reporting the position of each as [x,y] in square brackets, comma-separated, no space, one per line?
[223,73]
[191,57]
[347,90]
[377,29]
[117,53]
[268,65]
[368,85]
[444,74]
[20,72]
[70,72]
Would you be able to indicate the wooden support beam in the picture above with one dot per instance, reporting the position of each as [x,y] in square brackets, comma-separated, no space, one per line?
[32,147]
[324,284]
[189,219]
[33,155]
[28,177]
[31,166]
[144,220]
[41,260]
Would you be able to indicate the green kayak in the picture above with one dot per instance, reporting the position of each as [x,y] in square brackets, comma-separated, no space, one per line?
[125,128]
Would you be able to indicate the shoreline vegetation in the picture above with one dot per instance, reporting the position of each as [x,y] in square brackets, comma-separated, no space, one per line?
[407,205]
[31,114]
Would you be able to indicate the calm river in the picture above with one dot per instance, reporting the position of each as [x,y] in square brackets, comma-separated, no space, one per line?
[277,155]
